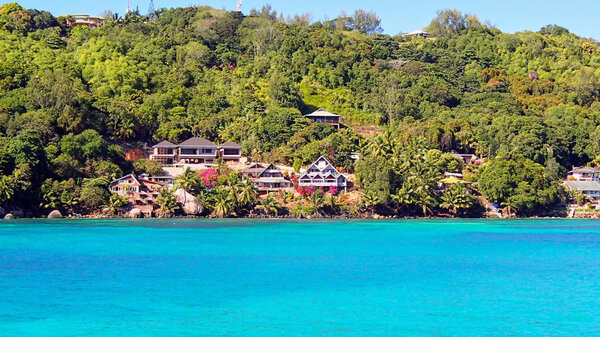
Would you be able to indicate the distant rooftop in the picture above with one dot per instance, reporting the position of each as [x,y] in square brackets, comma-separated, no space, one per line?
[231,145]
[197,141]
[417,32]
[583,185]
[321,113]
[165,144]
[584,170]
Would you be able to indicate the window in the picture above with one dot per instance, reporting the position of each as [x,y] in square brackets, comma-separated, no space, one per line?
[188,151]
[231,152]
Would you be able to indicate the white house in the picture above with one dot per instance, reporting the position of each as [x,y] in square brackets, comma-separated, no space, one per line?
[322,174]
[584,174]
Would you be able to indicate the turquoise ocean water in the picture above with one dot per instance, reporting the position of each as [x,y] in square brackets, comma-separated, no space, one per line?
[275,278]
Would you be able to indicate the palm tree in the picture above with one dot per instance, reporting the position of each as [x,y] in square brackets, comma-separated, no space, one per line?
[7,189]
[317,199]
[246,194]
[269,205]
[115,203]
[189,181]
[405,196]
[223,204]
[167,202]
[369,199]
[456,199]
[509,206]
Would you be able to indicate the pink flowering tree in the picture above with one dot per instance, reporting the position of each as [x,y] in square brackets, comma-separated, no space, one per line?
[209,177]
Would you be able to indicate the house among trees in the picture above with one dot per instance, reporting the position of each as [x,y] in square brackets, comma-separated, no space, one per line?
[230,151]
[467,158]
[322,174]
[140,192]
[420,33]
[85,20]
[267,178]
[195,150]
[589,188]
[584,174]
[323,116]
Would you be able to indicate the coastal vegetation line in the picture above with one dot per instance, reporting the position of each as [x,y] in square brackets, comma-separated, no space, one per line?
[78,105]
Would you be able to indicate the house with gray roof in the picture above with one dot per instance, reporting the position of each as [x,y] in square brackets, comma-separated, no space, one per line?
[591,189]
[230,151]
[267,178]
[195,150]
[164,152]
[323,116]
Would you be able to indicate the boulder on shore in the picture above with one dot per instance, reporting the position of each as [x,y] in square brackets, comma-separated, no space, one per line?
[18,213]
[135,213]
[9,216]
[55,215]
[189,203]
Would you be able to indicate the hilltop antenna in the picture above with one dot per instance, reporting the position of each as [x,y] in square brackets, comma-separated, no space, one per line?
[151,12]
[239,6]
[128,6]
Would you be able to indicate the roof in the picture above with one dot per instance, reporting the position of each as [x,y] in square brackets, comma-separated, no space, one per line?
[165,144]
[321,113]
[418,32]
[272,180]
[584,170]
[231,145]
[583,185]
[256,168]
[197,141]
[125,177]
[452,180]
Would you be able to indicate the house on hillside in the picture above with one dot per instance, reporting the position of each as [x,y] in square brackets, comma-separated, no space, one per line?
[267,178]
[140,192]
[584,174]
[230,151]
[589,188]
[164,152]
[420,33]
[79,20]
[466,158]
[322,174]
[323,116]
[195,150]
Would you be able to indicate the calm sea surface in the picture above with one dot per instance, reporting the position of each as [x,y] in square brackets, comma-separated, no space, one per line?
[275,278]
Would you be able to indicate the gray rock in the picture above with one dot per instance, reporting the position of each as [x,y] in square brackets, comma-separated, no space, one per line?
[189,203]
[135,213]
[18,213]
[55,215]
[9,216]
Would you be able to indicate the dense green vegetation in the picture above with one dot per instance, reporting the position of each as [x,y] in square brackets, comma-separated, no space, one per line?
[72,100]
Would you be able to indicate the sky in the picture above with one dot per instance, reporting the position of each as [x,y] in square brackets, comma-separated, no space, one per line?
[398,16]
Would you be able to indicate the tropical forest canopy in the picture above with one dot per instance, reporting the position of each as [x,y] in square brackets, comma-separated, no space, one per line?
[73,100]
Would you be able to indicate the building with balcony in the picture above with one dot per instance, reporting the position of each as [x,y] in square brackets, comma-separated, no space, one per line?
[230,151]
[195,150]
[323,116]
[77,20]
[164,152]
[267,178]
[584,174]
[322,174]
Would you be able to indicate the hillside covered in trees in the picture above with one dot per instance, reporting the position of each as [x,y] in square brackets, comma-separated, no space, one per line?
[73,100]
